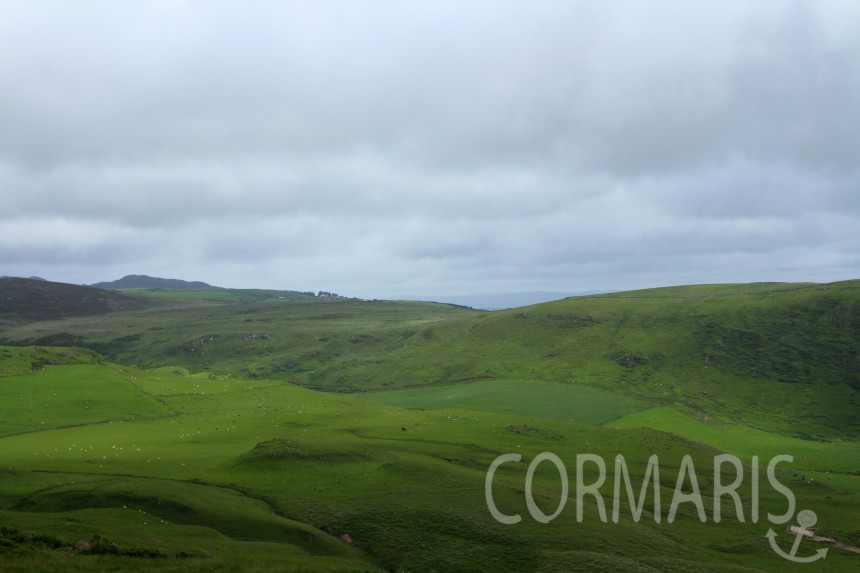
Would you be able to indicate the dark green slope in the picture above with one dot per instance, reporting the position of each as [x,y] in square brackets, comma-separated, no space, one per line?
[785,357]
[270,337]
[35,299]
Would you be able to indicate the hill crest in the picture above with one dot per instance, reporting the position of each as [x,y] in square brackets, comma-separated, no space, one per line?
[147,282]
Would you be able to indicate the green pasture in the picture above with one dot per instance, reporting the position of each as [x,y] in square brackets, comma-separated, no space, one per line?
[535,398]
[842,457]
[55,397]
[27,359]
[235,471]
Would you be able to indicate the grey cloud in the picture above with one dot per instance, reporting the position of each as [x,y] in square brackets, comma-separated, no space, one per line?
[58,241]
[390,146]
[796,95]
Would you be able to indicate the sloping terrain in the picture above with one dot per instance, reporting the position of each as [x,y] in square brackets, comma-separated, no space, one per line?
[784,357]
[269,337]
[34,299]
[197,449]
[209,472]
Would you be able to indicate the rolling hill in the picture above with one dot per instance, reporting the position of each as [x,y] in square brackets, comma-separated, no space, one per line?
[37,299]
[782,356]
[203,442]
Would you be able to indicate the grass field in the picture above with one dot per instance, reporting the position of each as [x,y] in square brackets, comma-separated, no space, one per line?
[535,398]
[204,445]
[73,395]
[234,469]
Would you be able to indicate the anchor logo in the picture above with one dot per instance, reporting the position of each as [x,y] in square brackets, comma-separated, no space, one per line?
[805,519]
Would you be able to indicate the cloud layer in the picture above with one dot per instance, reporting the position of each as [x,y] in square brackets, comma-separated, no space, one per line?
[380,148]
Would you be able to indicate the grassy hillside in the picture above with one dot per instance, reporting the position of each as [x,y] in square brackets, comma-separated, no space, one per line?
[224,474]
[33,300]
[203,445]
[565,402]
[783,357]
[272,337]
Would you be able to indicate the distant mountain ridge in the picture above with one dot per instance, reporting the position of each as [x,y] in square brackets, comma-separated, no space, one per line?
[144,281]
[34,278]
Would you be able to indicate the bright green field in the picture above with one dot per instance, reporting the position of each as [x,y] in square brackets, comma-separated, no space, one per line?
[80,394]
[832,456]
[535,398]
[239,475]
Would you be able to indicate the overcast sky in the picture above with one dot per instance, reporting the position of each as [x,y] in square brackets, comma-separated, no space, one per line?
[392,148]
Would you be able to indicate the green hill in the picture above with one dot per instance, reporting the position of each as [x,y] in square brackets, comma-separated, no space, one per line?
[147,282]
[780,356]
[784,357]
[36,299]
[176,290]
[205,445]
[167,470]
